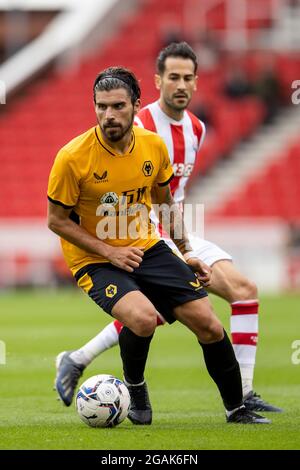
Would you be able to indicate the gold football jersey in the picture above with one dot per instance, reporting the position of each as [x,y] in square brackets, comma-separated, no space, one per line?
[110,194]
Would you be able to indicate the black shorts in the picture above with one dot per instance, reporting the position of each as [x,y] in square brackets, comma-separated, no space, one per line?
[162,277]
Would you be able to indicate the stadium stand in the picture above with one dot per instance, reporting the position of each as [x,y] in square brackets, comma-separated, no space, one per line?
[272,192]
[56,106]
[48,113]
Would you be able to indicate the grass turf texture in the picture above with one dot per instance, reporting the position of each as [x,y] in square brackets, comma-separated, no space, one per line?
[188,413]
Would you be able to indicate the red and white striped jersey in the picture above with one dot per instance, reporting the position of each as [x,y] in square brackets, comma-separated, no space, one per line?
[183,140]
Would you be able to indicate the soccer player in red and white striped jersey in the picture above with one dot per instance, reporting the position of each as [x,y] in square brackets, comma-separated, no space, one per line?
[183,139]
[183,134]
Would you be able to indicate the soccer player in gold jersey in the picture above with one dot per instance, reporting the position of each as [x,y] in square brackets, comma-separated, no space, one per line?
[100,192]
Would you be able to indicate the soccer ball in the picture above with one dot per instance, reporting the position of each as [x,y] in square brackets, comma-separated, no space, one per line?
[103,401]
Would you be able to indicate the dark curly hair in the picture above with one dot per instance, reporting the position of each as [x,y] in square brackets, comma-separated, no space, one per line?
[113,78]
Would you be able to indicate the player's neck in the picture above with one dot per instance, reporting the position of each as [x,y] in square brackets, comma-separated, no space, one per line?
[172,113]
[122,145]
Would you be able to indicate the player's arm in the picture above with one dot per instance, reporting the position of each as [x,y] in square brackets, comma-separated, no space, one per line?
[170,216]
[59,222]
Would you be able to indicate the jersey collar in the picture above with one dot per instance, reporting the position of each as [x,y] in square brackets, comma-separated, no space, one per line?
[109,149]
[171,121]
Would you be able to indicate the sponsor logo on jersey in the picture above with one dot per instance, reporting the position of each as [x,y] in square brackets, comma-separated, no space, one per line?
[148,168]
[133,195]
[111,290]
[102,178]
[197,285]
[109,199]
[129,202]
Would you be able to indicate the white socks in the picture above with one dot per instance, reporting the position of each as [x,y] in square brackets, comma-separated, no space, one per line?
[244,333]
[107,338]
[247,372]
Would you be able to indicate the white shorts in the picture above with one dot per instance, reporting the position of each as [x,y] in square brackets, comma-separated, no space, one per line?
[207,251]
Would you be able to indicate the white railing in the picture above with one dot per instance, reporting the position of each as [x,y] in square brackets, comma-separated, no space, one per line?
[38,5]
[235,35]
[66,32]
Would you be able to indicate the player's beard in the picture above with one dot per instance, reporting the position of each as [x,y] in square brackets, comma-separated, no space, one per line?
[116,132]
[175,104]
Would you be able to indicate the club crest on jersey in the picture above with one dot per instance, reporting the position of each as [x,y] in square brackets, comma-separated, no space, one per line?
[109,199]
[111,290]
[148,168]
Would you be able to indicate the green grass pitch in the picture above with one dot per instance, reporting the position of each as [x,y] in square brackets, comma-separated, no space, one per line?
[188,413]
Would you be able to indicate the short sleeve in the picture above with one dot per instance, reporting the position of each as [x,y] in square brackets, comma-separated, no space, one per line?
[165,174]
[203,134]
[63,185]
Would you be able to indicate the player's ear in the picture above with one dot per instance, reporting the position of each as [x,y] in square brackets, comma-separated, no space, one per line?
[157,81]
[196,83]
[137,106]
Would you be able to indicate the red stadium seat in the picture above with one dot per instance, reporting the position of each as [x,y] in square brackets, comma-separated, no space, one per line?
[60,106]
[273,193]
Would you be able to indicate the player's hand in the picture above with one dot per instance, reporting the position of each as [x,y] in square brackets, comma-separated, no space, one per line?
[203,272]
[127,258]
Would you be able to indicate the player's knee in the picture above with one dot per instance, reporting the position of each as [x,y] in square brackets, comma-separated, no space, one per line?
[144,328]
[212,333]
[244,290]
[211,330]
[251,290]
[145,323]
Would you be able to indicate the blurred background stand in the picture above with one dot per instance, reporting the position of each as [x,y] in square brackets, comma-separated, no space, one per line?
[248,171]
